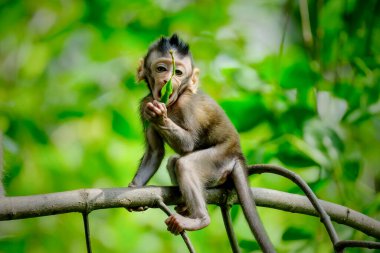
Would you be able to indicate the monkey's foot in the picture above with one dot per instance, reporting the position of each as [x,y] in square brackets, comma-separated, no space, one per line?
[177,223]
[182,210]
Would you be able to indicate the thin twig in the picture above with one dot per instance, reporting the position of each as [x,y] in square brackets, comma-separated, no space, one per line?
[87,231]
[305,21]
[186,239]
[225,209]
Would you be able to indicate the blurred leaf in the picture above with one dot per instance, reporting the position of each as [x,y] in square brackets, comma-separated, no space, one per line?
[13,245]
[292,157]
[67,114]
[235,210]
[120,125]
[37,132]
[293,119]
[352,94]
[296,71]
[351,169]
[22,126]
[310,151]
[249,245]
[268,69]
[323,137]
[246,113]
[296,233]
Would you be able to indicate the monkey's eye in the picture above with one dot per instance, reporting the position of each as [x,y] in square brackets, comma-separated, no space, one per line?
[160,69]
[178,72]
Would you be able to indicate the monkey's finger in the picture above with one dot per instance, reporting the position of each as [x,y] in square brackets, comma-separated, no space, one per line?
[175,229]
[167,221]
[161,106]
[178,229]
[150,113]
[156,103]
[147,115]
[142,208]
[154,108]
[157,110]
[172,225]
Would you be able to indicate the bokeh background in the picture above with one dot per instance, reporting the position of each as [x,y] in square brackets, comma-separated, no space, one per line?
[299,79]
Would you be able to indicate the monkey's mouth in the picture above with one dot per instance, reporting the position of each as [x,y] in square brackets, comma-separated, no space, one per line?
[171,99]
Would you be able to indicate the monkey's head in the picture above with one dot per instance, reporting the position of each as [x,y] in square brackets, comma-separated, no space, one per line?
[156,68]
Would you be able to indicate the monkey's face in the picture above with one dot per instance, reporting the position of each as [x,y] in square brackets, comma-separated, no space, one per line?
[160,70]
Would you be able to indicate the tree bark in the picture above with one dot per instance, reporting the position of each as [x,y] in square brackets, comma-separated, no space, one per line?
[87,200]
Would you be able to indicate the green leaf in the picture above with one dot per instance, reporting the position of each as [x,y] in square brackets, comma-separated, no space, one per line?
[246,113]
[293,120]
[296,71]
[351,170]
[234,212]
[296,233]
[249,245]
[293,157]
[166,90]
[37,132]
[70,113]
[120,125]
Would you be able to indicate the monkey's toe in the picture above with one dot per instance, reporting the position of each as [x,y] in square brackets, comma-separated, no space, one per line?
[174,225]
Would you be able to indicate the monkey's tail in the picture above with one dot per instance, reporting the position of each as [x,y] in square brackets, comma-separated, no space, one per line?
[248,205]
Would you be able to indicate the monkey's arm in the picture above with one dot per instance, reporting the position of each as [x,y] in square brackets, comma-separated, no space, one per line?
[152,158]
[180,139]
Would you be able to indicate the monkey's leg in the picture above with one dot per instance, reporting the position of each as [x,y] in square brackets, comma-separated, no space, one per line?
[192,192]
[170,166]
[181,208]
[193,172]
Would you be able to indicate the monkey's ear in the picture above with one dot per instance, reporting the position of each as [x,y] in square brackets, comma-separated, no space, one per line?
[140,71]
[194,81]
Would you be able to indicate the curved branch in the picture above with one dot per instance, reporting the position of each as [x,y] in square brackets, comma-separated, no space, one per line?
[87,200]
[325,218]
[340,246]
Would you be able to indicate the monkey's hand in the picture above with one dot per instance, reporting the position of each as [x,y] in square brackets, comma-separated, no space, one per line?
[136,209]
[155,112]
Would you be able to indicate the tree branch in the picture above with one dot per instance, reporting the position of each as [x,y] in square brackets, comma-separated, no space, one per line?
[87,200]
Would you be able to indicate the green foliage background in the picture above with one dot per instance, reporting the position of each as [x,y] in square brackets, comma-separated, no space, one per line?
[302,87]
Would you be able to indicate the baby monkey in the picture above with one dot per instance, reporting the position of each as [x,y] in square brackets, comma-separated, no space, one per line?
[198,130]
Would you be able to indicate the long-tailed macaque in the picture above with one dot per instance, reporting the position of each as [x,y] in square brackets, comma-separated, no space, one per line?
[197,129]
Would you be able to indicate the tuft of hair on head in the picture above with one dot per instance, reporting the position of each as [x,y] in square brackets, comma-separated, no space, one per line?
[164,44]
